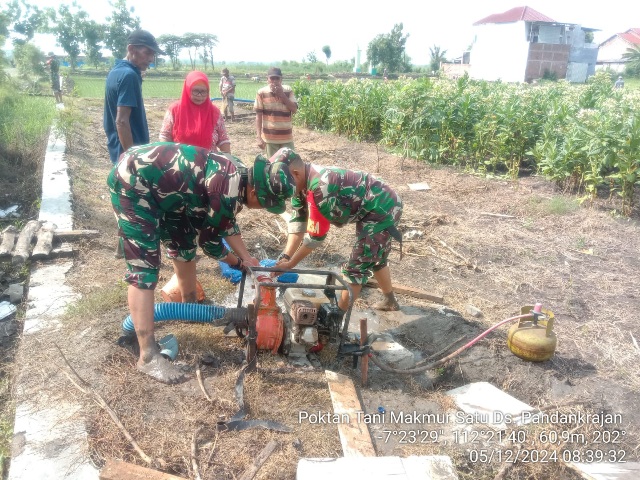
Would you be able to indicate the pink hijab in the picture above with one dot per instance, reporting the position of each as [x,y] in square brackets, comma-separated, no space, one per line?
[193,124]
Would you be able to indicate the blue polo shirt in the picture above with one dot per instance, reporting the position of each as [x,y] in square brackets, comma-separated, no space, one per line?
[124,89]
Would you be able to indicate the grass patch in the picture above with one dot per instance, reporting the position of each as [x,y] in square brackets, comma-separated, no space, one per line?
[101,300]
[557,205]
[24,122]
[158,87]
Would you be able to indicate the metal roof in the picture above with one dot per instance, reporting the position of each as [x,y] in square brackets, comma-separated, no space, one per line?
[518,14]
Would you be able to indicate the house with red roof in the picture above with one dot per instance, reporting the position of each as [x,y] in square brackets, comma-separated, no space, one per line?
[611,50]
[522,45]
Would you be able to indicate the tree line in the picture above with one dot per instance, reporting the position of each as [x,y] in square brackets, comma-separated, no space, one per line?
[78,35]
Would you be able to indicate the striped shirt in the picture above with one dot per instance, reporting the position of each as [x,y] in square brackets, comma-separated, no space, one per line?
[276,117]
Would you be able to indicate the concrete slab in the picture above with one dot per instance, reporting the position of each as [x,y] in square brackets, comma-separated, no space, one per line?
[489,405]
[437,467]
[56,189]
[392,353]
[609,471]
[50,439]
[49,444]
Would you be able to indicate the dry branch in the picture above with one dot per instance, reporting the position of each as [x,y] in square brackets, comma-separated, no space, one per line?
[201,383]
[194,454]
[499,215]
[262,457]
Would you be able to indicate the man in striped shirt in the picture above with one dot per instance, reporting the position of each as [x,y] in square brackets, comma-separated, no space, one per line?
[274,106]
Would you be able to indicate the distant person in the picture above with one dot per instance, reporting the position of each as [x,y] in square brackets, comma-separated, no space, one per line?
[54,70]
[228,92]
[193,119]
[274,106]
[619,83]
[183,196]
[125,119]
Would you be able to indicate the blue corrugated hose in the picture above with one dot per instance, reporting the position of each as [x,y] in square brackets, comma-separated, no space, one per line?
[189,312]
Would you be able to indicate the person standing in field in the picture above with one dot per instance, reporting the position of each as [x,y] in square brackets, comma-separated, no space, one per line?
[54,70]
[193,119]
[619,83]
[274,106]
[125,119]
[183,196]
[228,92]
[328,196]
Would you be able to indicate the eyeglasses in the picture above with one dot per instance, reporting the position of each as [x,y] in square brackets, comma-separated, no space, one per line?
[275,78]
[199,93]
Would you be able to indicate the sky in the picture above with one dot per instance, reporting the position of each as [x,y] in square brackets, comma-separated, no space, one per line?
[265,32]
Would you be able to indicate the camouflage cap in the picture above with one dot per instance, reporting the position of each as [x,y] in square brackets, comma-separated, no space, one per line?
[273,183]
[285,155]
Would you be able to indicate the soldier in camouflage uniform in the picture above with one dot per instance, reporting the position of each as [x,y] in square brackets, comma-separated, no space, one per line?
[173,193]
[335,196]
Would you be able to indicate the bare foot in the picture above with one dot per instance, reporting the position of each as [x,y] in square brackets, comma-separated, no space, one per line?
[388,304]
[161,369]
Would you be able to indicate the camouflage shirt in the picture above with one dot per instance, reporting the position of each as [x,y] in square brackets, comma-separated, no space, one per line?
[342,196]
[181,179]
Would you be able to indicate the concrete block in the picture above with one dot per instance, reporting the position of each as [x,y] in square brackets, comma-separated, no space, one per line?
[15,292]
[436,467]
[392,353]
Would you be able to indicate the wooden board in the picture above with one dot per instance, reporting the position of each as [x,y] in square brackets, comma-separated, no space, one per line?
[412,292]
[119,470]
[9,235]
[354,435]
[44,243]
[22,250]
[68,235]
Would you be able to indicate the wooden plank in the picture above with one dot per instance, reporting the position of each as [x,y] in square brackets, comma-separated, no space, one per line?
[412,292]
[23,245]
[354,435]
[44,244]
[65,250]
[262,457]
[119,470]
[9,235]
[69,235]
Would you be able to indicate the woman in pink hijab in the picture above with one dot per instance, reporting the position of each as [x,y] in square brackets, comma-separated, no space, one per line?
[193,119]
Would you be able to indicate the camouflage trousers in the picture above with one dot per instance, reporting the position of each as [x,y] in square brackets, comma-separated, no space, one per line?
[142,227]
[370,251]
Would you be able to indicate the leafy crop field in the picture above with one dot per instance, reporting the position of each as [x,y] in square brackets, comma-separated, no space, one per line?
[584,137]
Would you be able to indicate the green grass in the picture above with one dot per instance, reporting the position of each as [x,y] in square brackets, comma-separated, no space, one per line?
[170,87]
[102,300]
[24,120]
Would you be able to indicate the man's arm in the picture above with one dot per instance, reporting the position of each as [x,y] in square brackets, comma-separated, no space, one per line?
[261,143]
[291,105]
[123,127]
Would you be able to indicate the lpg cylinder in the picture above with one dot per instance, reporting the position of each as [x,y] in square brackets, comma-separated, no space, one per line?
[530,340]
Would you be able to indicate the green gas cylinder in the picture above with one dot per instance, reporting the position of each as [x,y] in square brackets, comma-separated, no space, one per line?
[533,339]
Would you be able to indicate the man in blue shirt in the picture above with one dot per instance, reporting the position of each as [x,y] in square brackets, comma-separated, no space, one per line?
[125,120]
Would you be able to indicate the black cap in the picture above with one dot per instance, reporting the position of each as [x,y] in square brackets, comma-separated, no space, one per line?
[274,72]
[145,39]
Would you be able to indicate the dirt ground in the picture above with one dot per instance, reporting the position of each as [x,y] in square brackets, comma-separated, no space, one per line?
[492,243]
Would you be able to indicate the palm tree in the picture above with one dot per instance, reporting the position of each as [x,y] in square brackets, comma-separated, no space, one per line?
[632,56]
